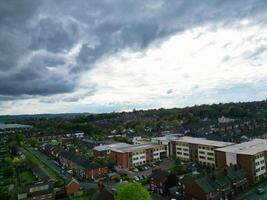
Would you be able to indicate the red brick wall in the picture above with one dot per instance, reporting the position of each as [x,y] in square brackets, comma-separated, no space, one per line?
[72,187]
[121,159]
[96,173]
[246,162]
[220,159]
[193,190]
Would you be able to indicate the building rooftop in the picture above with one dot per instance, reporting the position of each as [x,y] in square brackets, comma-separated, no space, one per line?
[136,147]
[168,137]
[13,126]
[203,141]
[249,148]
[111,146]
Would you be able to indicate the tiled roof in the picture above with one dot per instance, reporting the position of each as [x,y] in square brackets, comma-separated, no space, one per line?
[159,174]
[206,184]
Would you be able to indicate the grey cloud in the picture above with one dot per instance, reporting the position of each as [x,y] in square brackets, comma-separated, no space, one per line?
[102,28]
[255,53]
[53,36]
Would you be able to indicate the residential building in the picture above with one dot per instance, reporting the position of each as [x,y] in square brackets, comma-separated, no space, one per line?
[102,193]
[251,155]
[200,150]
[161,181]
[72,186]
[223,184]
[41,190]
[78,164]
[225,120]
[135,155]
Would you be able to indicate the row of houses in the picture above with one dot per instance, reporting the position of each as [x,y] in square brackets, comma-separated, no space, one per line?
[80,165]
[221,184]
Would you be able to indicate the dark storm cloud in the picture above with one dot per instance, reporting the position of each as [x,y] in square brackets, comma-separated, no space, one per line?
[35,35]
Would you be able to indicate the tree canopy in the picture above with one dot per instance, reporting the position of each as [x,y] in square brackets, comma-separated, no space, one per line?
[132,191]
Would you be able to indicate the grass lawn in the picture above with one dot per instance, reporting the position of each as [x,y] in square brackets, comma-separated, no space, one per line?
[82,197]
[26,178]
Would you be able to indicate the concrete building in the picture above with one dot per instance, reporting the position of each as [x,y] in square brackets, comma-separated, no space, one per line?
[103,150]
[251,155]
[167,141]
[140,140]
[136,155]
[200,150]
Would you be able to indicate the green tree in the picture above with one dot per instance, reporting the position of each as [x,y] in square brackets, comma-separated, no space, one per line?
[178,167]
[33,142]
[20,138]
[132,191]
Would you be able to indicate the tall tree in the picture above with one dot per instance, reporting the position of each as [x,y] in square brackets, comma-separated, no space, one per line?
[132,191]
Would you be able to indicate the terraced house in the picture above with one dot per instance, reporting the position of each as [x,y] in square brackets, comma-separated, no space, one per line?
[197,149]
[251,155]
[224,184]
[136,155]
[77,163]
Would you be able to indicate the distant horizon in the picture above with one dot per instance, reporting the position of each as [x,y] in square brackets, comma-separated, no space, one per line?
[90,113]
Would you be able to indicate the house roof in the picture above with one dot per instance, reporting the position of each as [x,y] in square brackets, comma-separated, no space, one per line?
[159,174]
[206,184]
[221,178]
[70,180]
[235,172]
[103,195]
[78,159]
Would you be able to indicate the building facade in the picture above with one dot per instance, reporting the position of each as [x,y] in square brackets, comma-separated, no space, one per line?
[136,155]
[199,150]
[251,155]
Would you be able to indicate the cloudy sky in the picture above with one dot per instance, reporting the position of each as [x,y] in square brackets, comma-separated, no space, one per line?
[113,55]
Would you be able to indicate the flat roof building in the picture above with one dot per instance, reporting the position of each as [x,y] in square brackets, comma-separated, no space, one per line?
[250,155]
[136,155]
[105,149]
[200,150]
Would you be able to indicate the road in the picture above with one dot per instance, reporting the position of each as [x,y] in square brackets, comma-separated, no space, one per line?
[252,195]
[48,162]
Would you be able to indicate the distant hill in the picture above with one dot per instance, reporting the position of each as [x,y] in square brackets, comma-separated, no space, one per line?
[8,118]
